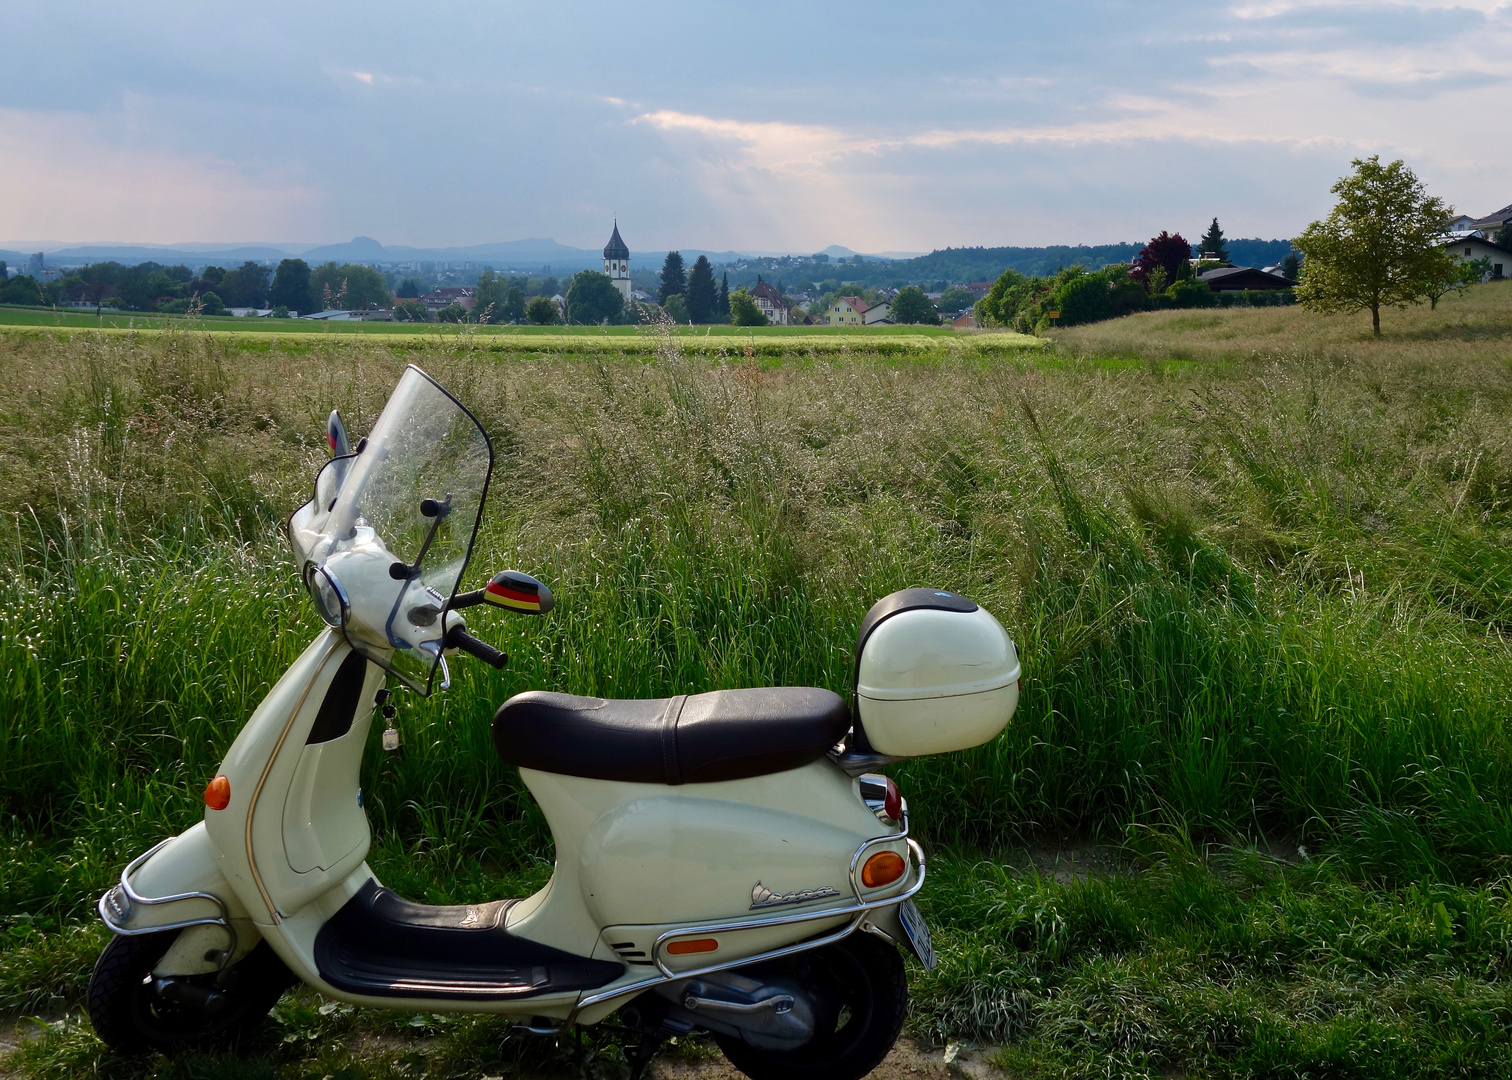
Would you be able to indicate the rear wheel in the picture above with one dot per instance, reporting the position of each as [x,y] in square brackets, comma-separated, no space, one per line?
[132,1012]
[860,995]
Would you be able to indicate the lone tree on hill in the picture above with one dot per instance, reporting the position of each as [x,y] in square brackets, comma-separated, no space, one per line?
[592,299]
[1211,244]
[673,278]
[1378,247]
[1167,252]
[703,296]
[912,306]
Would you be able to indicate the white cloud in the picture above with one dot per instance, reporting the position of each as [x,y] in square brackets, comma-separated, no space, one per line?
[65,180]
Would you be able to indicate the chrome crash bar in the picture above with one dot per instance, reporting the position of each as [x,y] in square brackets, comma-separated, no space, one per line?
[118,904]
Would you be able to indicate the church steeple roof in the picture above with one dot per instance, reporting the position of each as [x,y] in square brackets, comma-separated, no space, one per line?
[615,248]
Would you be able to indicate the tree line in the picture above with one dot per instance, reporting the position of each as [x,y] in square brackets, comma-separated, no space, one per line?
[1383,245]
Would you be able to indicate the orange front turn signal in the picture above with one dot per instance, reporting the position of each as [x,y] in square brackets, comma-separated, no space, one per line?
[694,945]
[883,868]
[218,793]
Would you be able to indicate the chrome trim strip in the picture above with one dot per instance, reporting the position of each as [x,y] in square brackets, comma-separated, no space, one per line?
[107,904]
[855,912]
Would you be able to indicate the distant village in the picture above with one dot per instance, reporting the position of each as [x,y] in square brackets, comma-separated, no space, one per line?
[816,290]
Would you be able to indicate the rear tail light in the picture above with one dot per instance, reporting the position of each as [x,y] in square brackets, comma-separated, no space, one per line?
[892,802]
[883,868]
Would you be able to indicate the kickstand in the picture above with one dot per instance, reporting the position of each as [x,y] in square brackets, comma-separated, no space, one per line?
[643,1055]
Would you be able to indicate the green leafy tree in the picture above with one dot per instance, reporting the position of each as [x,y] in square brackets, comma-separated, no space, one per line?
[956,298]
[1503,237]
[211,304]
[911,307]
[350,286]
[592,299]
[246,286]
[1378,247]
[1212,244]
[724,296]
[1291,266]
[743,309]
[676,308]
[499,299]
[411,287]
[673,279]
[452,313]
[1455,276]
[542,311]
[703,295]
[411,311]
[291,286]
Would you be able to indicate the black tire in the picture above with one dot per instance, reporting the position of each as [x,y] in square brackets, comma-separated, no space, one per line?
[860,994]
[131,1017]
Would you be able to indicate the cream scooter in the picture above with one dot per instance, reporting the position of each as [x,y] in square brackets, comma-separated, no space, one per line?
[725,861]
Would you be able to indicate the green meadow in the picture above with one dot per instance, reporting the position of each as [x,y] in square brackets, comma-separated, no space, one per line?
[1254,815]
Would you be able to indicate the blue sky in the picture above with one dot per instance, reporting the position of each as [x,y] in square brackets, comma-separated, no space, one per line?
[775,126]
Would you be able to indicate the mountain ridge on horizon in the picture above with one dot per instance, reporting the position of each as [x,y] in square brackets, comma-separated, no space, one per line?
[532,251]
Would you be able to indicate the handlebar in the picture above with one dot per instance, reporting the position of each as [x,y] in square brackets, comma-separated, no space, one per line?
[458,638]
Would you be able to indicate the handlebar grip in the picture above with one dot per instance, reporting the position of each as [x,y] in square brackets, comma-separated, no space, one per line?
[458,638]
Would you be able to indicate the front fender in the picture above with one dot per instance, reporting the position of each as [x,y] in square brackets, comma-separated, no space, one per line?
[177,884]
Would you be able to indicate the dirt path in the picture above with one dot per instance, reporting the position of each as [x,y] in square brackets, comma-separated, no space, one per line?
[908,1061]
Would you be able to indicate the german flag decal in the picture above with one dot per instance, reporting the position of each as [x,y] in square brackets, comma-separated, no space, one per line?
[508,597]
[518,592]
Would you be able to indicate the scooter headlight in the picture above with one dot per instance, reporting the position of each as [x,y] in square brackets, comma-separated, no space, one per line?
[330,598]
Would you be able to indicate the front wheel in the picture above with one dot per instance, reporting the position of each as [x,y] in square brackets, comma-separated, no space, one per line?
[860,994]
[132,1012]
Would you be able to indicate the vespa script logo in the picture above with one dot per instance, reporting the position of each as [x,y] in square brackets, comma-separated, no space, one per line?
[763,897]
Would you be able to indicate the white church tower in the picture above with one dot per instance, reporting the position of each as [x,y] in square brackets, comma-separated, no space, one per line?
[617,263]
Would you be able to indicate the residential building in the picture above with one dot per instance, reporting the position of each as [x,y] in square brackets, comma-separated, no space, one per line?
[846,311]
[966,321]
[1467,248]
[617,263]
[1492,223]
[439,299]
[878,314]
[1462,223]
[1238,278]
[771,304]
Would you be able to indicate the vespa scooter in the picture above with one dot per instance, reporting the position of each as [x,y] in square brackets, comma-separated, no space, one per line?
[727,862]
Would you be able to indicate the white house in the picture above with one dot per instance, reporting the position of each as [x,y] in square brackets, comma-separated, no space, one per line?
[770,301]
[1468,248]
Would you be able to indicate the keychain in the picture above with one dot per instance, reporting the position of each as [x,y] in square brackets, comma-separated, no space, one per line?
[390,732]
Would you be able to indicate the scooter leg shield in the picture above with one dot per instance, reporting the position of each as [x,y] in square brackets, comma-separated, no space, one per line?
[179,885]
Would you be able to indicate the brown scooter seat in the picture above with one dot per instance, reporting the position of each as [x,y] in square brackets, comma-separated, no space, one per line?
[690,739]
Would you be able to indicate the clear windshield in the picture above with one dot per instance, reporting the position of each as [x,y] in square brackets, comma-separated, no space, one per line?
[396,523]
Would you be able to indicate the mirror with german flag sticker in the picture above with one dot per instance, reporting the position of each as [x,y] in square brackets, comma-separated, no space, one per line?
[512,591]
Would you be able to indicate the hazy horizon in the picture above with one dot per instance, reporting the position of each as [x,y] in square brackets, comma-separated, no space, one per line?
[783,127]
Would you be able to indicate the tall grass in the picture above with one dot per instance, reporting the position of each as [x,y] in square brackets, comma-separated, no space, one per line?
[1259,600]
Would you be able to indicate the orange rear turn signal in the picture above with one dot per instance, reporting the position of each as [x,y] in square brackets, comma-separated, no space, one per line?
[703,944]
[218,793]
[883,868]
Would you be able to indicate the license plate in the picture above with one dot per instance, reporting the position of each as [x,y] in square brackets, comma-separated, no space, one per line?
[917,932]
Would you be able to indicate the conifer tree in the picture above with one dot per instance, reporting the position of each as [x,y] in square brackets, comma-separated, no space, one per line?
[674,280]
[703,296]
[724,295]
[1211,244]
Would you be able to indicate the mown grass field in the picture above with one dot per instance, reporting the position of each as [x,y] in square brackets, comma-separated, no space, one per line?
[1258,570]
